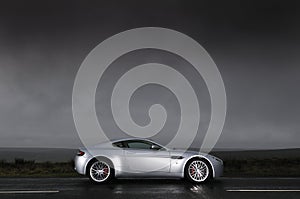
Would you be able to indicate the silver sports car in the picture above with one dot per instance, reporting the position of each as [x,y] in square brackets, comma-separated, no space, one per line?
[144,158]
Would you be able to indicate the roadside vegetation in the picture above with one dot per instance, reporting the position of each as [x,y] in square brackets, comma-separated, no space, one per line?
[30,168]
[273,167]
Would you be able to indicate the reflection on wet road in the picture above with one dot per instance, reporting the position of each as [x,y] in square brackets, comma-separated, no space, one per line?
[82,188]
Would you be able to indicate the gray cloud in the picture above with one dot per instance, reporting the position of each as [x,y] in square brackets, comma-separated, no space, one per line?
[255,45]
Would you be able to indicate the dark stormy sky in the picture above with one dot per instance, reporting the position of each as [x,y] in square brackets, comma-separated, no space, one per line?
[255,44]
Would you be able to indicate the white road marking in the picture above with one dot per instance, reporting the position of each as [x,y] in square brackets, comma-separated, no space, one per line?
[263,190]
[28,191]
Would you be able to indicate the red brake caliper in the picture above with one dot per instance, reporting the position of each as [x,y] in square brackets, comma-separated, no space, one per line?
[193,170]
[105,170]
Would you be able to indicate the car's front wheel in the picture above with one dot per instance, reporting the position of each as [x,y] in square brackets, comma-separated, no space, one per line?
[100,171]
[197,171]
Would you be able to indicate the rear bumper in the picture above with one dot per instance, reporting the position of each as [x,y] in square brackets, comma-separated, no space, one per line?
[80,163]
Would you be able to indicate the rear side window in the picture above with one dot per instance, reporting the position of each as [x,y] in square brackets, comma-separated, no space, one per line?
[119,144]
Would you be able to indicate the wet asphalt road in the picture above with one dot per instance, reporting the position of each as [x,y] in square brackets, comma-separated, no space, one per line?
[81,188]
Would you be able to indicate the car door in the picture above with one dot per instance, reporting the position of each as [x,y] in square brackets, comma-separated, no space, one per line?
[141,157]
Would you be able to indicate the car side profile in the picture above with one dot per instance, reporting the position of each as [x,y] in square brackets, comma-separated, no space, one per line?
[143,158]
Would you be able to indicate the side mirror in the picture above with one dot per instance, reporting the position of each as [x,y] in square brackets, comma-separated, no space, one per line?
[155,147]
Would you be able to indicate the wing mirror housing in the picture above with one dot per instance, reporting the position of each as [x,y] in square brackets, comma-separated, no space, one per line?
[155,147]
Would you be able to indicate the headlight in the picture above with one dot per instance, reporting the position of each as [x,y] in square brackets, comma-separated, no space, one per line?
[217,159]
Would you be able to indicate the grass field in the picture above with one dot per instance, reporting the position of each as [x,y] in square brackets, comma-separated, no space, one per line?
[261,163]
[274,167]
[43,162]
[30,168]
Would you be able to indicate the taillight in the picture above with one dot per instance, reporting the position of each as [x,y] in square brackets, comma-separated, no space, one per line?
[80,153]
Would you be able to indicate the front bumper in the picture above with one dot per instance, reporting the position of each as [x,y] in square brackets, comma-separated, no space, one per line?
[217,165]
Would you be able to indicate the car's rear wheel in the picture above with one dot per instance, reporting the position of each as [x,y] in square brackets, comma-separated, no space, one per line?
[100,171]
[197,170]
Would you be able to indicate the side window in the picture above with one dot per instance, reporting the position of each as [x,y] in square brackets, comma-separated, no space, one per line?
[119,144]
[139,145]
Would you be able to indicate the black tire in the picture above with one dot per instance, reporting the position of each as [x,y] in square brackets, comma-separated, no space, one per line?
[100,170]
[197,170]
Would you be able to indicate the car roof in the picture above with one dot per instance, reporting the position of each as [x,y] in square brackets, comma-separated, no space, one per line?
[130,139]
[110,142]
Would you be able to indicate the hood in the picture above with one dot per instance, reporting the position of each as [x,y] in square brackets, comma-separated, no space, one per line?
[187,152]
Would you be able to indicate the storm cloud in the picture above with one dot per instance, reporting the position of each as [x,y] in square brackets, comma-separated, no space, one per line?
[255,45]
